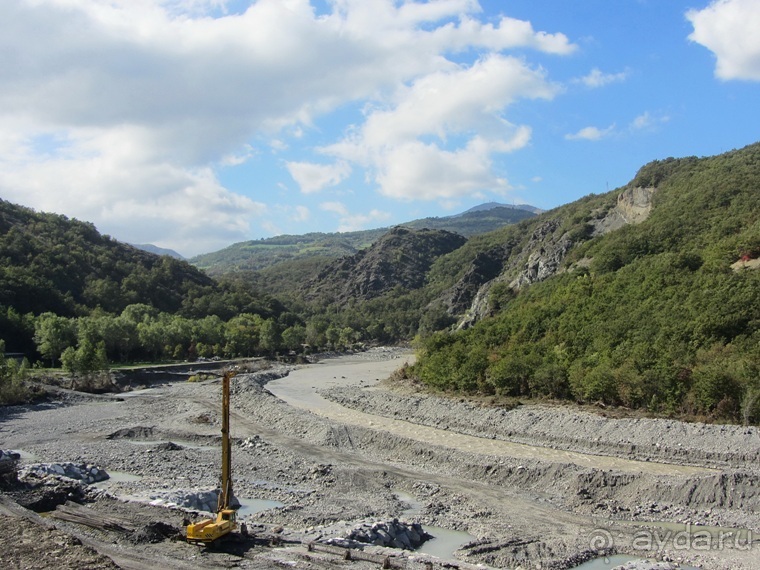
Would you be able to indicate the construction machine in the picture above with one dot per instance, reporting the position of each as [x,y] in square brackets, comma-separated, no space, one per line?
[209,530]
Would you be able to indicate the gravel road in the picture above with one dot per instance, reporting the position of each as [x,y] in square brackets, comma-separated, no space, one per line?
[336,446]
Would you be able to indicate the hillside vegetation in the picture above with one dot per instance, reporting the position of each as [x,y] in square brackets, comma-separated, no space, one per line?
[64,285]
[644,297]
[659,315]
[264,253]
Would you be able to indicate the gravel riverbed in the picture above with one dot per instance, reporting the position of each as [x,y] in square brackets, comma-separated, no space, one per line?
[337,448]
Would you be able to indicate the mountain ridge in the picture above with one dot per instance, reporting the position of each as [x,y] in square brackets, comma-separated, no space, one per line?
[260,254]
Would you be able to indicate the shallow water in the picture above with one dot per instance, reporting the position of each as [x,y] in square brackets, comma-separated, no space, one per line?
[609,562]
[606,562]
[253,506]
[445,542]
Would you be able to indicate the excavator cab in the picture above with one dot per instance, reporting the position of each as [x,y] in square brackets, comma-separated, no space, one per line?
[209,530]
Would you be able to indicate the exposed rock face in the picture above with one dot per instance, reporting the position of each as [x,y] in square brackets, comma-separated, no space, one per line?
[402,257]
[77,471]
[633,207]
[195,500]
[539,258]
[8,468]
[542,256]
[485,267]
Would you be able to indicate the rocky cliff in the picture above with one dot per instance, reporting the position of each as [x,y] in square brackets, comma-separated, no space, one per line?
[401,258]
[541,255]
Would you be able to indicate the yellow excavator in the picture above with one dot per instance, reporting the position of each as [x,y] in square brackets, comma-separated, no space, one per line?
[209,530]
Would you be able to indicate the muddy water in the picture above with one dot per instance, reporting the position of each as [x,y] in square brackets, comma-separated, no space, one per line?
[444,542]
[612,562]
[253,506]
[299,389]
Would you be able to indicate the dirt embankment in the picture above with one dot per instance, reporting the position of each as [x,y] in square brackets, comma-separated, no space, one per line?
[644,439]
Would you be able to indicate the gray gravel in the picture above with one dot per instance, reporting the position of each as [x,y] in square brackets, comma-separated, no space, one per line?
[331,476]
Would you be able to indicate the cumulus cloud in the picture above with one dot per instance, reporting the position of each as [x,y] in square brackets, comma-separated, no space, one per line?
[315,177]
[122,112]
[460,112]
[729,28]
[590,133]
[648,120]
[350,222]
[301,214]
[596,78]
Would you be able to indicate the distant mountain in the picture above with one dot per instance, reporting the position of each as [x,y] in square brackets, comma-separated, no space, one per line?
[264,253]
[150,248]
[492,205]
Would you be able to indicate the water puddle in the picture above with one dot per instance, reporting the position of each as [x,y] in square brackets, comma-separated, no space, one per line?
[117,477]
[25,455]
[445,541]
[607,562]
[252,506]
[444,544]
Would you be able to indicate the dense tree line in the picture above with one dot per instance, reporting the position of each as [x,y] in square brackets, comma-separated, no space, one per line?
[659,320]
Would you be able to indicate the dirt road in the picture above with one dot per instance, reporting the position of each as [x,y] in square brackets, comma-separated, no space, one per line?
[535,487]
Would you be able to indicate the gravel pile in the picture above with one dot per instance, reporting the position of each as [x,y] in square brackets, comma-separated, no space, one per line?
[565,428]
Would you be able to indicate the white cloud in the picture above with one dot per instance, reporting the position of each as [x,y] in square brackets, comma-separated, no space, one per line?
[315,177]
[301,214]
[648,121]
[119,111]
[334,207]
[596,78]
[461,111]
[349,222]
[729,28]
[590,133]
[356,222]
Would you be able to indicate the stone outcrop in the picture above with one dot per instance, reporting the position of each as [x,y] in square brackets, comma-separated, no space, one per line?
[539,258]
[83,472]
[392,534]
[193,500]
[401,258]
[633,207]
[8,468]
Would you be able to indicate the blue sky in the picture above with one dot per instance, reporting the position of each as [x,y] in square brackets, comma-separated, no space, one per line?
[194,124]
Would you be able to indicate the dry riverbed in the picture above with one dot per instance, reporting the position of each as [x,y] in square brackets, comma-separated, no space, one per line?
[321,448]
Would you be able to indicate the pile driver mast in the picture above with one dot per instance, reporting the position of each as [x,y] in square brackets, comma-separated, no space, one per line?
[209,530]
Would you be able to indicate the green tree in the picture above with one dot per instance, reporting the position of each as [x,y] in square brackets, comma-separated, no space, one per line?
[53,334]
[293,337]
[12,387]
[88,357]
[271,336]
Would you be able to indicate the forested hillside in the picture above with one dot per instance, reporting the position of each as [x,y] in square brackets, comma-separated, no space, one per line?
[264,253]
[52,263]
[662,315]
[61,280]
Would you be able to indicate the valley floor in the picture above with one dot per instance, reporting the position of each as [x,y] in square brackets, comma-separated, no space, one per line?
[335,445]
